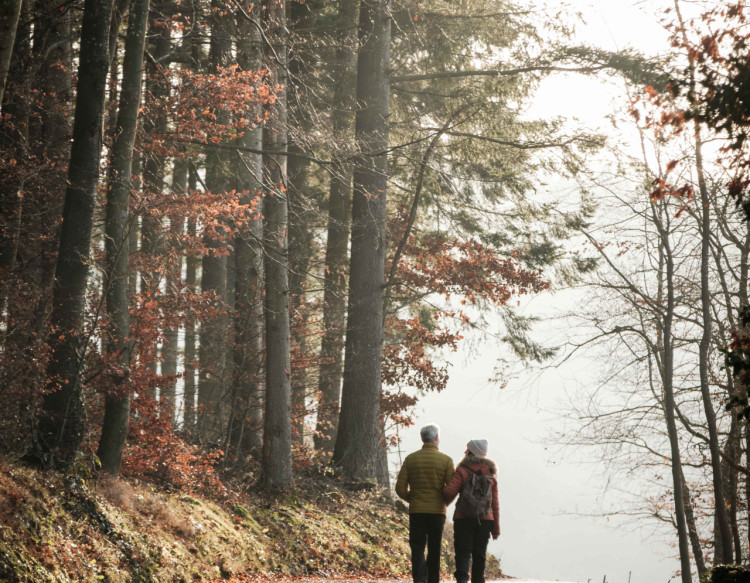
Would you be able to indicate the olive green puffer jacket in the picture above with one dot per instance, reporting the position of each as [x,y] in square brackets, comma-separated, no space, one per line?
[422,477]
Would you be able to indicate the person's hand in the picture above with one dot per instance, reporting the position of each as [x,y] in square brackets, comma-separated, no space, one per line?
[495,535]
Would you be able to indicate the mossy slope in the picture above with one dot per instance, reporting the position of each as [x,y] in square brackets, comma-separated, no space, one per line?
[55,528]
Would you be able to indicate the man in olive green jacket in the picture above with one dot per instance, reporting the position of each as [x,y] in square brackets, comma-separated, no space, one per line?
[420,483]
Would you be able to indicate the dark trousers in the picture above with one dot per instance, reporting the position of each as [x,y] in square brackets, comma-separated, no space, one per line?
[470,543]
[425,529]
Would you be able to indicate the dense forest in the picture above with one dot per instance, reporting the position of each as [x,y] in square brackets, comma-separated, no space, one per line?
[238,239]
[225,226]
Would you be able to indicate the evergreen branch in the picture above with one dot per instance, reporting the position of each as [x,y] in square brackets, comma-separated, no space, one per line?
[498,72]
[522,145]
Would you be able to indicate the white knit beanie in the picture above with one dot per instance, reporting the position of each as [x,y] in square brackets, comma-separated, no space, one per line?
[477,447]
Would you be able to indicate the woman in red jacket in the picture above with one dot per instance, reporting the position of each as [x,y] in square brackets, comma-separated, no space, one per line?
[472,533]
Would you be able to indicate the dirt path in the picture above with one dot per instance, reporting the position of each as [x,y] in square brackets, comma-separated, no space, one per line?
[319,579]
[365,579]
[359,579]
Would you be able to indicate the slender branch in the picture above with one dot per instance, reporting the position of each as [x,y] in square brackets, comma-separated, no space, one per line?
[415,202]
[496,72]
[238,148]
[521,145]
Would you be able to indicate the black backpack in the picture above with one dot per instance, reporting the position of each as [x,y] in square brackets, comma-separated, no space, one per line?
[475,499]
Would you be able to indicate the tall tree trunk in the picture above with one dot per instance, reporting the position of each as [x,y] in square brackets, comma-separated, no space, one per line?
[731,485]
[666,348]
[12,202]
[134,234]
[115,24]
[300,252]
[154,162]
[723,532]
[358,436]
[118,224]
[191,269]
[723,537]
[10,11]
[192,9]
[214,264]
[337,241]
[277,432]
[53,50]
[245,435]
[168,391]
[739,383]
[381,465]
[53,47]
[695,541]
[301,210]
[733,449]
[747,475]
[60,428]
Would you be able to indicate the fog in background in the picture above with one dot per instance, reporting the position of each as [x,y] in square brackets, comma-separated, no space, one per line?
[553,504]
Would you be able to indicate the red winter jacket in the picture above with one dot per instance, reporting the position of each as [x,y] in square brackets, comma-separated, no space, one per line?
[457,481]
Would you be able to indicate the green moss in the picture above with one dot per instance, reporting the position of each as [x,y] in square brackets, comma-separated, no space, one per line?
[53,530]
[241,511]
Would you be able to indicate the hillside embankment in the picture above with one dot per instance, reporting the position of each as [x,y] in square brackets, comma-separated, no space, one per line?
[59,528]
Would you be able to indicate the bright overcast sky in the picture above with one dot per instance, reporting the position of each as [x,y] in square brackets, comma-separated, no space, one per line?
[542,538]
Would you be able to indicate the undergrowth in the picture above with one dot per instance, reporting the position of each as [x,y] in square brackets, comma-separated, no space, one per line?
[64,528]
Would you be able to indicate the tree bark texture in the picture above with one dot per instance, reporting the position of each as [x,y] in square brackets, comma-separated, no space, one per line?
[134,235]
[358,436]
[152,240]
[51,133]
[60,428]
[300,252]
[337,241]
[212,351]
[10,11]
[301,206]
[277,432]
[168,387]
[12,202]
[118,225]
[53,47]
[695,541]
[245,435]
[191,9]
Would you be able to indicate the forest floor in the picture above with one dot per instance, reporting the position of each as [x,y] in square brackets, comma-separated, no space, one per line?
[56,528]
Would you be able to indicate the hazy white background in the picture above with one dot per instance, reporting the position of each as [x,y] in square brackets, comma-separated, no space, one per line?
[553,520]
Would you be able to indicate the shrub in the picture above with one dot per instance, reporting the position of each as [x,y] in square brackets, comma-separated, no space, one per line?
[727,574]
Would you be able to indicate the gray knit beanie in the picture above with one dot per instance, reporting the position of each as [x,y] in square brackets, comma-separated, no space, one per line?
[478,447]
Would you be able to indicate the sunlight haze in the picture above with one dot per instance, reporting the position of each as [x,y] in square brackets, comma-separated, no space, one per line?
[554,510]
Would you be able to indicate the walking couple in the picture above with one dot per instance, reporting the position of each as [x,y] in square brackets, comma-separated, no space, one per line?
[428,483]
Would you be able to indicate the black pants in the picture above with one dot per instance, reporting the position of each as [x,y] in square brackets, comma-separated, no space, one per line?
[425,529]
[470,543]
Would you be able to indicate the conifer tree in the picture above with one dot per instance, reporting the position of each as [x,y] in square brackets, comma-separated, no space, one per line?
[277,433]
[358,437]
